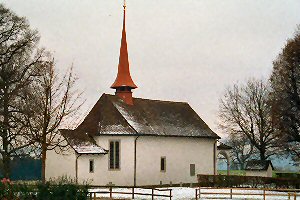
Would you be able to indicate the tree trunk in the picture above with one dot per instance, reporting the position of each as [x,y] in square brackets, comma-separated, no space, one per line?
[44,155]
[242,166]
[44,138]
[6,156]
[262,153]
[6,163]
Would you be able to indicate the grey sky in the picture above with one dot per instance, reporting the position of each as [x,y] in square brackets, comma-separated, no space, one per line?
[179,50]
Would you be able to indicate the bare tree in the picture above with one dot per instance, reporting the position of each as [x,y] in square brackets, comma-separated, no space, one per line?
[285,81]
[17,71]
[244,110]
[242,149]
[57,101]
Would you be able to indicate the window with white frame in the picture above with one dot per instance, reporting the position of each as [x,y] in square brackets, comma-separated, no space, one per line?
[114,155]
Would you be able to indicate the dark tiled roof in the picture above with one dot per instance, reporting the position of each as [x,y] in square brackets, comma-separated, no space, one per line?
[111,116]
[81,142]
[258,165]
[222,146]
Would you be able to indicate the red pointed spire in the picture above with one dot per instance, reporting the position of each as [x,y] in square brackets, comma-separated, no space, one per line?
[124,83]
[123,78]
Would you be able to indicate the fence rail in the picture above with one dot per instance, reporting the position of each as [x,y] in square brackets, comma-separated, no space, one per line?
[93,195]
[291,194]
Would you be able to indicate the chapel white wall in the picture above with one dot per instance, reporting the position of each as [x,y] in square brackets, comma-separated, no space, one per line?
[180,152]
[102,174]
[58,165]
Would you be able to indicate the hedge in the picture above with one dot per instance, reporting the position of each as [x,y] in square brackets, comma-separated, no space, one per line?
[247,181]
[39,191]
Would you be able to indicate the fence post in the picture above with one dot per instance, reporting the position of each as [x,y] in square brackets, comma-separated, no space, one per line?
[230,193]
[95,196]
[132,192]
[264,194]
[110,192]
[199,192]
[289,195]
[196,194]
[170,194]
[295,196]
[152,194]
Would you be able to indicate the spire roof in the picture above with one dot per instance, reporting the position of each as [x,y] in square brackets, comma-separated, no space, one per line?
[123,78]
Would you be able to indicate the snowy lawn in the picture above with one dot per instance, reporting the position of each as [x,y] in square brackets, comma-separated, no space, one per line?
[189,193]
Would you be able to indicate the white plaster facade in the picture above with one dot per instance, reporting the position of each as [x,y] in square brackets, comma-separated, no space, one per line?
[58,165]
[263,173]
[179,152]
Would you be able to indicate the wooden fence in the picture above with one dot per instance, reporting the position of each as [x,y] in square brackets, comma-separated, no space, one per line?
[291,194]
[132,193]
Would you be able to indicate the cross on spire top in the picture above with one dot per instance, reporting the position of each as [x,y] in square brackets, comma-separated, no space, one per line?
[124,5]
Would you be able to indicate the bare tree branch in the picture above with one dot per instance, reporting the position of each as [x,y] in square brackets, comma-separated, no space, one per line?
[245,114]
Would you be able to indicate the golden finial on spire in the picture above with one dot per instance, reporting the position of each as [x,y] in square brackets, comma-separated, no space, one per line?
[124,6]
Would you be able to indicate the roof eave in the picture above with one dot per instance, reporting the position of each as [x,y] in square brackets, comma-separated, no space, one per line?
[139,134]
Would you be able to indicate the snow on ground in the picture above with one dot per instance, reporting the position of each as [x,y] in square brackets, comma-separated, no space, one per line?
[189,193]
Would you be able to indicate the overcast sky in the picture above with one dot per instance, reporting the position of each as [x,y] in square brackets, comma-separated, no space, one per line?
[179,50]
